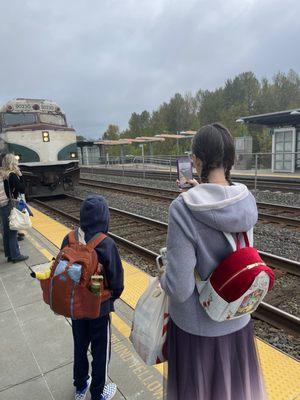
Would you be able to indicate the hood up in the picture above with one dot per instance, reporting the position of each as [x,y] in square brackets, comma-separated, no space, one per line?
[224,208]
[94,216]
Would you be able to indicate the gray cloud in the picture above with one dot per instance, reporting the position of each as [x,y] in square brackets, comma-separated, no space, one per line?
[102,60]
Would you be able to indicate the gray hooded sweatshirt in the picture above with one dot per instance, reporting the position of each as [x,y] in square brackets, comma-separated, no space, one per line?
[197,219]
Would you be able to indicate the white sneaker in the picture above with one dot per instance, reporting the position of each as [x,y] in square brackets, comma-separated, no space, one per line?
[109,391]
[81,394]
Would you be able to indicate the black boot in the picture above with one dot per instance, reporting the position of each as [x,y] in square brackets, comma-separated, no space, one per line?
[20,258]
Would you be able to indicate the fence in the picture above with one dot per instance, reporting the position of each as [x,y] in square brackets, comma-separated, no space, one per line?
[250,164]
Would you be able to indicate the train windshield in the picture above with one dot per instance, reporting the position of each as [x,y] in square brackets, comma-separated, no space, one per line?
[53,119]
[11,119]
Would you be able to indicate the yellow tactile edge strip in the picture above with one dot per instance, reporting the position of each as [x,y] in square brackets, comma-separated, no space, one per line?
[281,373]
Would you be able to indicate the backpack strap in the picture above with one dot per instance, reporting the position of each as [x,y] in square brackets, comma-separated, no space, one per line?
[235,241]
[238,242]
[246,239]
[72,237]
[97,239]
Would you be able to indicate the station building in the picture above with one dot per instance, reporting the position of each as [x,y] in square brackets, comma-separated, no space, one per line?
[285,129]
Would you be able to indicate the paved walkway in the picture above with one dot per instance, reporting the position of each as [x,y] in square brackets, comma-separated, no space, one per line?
[36,346]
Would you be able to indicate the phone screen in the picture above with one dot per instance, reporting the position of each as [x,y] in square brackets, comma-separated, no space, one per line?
[184,171]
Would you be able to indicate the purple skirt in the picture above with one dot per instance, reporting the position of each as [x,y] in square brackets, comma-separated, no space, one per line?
[213,368]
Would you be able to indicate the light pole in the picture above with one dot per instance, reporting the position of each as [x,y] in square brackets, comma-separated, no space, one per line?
[143,158]
[142,147]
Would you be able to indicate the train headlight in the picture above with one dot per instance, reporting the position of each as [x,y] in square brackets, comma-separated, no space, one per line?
[46,136]
[73,155]
[18,157]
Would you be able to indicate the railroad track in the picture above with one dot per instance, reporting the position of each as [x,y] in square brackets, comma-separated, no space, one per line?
[285,216]
[145,236]
[264,183]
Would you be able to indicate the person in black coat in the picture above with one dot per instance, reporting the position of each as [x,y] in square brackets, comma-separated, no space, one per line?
[14,186]
[94,219]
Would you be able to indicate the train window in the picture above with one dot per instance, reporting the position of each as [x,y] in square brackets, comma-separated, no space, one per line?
[11,119]
[53,119]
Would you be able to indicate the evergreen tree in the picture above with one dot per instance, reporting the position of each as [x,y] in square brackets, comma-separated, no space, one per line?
[240,96]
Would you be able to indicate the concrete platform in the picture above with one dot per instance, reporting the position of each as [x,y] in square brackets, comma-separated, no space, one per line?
[36,346]
[37,350]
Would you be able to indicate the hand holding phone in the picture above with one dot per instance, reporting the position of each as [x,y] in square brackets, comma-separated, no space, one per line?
[184,172]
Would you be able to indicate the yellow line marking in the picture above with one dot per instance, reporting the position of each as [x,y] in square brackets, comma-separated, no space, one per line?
[52,230]
[121,326]
[40,248]
[281,372]
[125,330]
[47,227]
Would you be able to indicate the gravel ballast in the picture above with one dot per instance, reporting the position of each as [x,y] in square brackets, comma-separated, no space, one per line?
[279,241]
[286,285]
[267,196]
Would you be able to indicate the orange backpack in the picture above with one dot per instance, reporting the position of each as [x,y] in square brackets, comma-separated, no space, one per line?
[64,295]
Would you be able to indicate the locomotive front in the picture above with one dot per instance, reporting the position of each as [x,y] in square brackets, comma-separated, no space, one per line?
[36,131]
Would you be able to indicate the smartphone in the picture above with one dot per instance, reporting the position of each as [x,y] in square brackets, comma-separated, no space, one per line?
[184,172]
[161,260]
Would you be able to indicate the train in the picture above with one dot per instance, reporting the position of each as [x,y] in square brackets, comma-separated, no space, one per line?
[37,132]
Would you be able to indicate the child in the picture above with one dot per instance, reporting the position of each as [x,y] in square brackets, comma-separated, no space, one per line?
[94,218]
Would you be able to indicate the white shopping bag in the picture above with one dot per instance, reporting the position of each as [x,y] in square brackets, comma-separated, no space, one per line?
[149,327]
[19,220]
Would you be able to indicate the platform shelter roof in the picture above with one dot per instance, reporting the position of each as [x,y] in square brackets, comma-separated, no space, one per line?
[172,136]
[280,118]
[147,139]
[114,142]
[189,133]
[139,139]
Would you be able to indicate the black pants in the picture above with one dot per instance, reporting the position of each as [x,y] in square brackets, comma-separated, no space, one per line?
[97,333]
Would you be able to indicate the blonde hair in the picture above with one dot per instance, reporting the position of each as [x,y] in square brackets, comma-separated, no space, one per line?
[10,164]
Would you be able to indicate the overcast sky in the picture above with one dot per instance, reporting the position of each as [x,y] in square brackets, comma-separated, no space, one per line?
[103,59]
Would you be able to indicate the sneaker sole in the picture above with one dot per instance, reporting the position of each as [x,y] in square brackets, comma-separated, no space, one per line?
[112,395]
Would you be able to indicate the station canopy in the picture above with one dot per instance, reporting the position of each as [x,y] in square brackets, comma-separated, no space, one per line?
[139,139]
[189,133]
[182,135]
[280,118]
[113,142]
[147,139]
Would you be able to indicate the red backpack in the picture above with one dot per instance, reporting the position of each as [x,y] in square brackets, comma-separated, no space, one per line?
[237,285]
[67,290]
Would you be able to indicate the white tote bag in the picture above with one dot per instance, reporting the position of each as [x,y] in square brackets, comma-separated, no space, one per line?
[149,327]
[19,220]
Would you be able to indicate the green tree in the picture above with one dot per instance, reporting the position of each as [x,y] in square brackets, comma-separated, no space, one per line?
[240,96]
[112,133]
[80,138]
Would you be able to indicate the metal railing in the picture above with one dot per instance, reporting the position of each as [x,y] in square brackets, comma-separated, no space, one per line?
[250,164]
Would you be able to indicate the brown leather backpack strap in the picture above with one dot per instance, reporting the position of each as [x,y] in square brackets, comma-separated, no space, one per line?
[97,239]
[71,237]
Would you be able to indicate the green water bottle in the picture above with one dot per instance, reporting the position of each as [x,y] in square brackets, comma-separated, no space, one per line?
[96,284]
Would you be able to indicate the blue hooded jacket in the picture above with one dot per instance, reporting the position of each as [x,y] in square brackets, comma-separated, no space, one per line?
[94,218]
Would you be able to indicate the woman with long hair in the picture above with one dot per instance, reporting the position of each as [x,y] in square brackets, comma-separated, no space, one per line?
[14,186]
[208,360]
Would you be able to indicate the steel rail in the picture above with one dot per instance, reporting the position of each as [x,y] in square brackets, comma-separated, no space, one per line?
[265,312]
[290,184]
[145,191]
[164,195]
[272,260]
[278,318]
